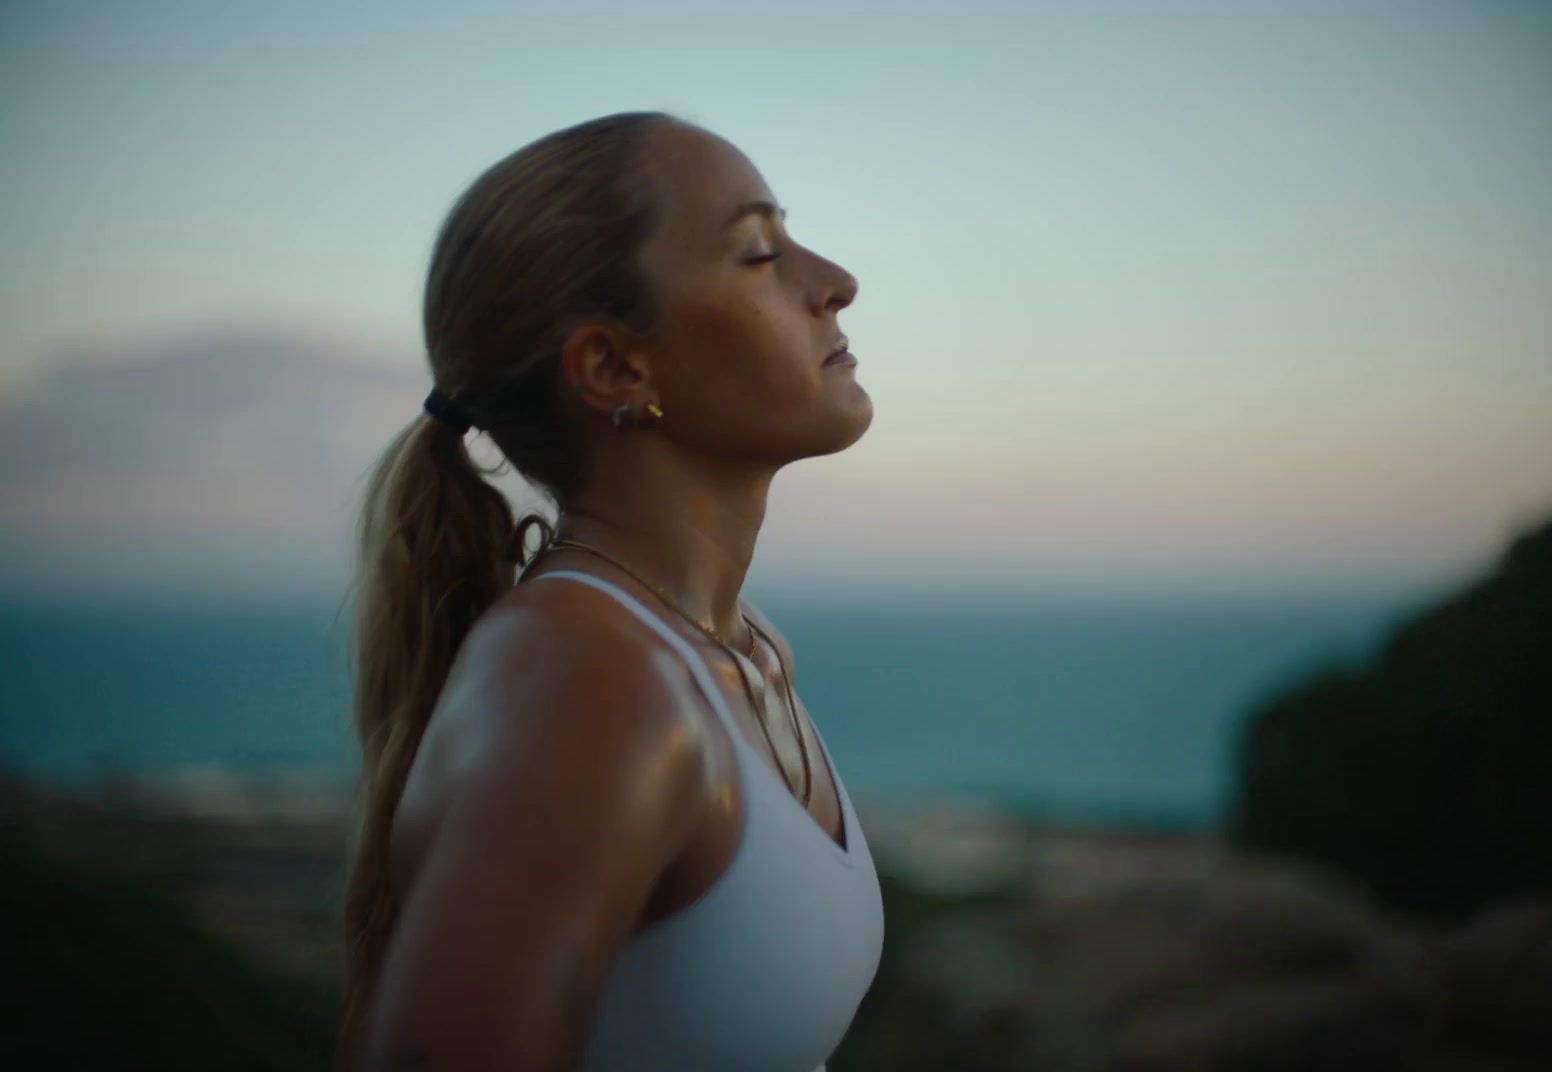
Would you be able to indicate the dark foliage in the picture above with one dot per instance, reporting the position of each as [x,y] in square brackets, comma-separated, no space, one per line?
[104,971]
[1428,773]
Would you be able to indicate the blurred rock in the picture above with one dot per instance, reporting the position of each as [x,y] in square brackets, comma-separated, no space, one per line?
[1250,962]
[1500,973]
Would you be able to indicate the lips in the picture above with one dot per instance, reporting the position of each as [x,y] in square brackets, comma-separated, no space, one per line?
[840,352]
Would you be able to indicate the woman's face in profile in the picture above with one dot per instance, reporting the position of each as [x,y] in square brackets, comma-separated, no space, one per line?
[748,314]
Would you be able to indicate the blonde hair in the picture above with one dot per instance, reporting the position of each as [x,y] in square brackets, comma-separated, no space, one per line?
[545,239]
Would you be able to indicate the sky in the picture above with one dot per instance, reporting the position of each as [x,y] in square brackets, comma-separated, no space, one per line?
[1241,297]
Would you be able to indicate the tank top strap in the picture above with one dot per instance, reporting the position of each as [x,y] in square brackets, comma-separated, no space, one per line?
[698,668]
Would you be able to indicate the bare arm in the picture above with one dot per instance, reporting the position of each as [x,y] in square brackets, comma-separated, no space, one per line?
[548,852]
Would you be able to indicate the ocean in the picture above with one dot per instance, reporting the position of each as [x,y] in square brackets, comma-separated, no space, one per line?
[1091,712]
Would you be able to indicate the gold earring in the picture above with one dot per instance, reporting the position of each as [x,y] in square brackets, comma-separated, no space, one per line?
[656,413]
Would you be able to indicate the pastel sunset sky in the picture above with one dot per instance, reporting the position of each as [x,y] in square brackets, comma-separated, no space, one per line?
[1232,297]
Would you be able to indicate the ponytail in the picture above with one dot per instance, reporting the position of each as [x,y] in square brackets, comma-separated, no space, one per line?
[433,542]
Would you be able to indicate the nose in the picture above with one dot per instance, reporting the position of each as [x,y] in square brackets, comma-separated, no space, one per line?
[839,289]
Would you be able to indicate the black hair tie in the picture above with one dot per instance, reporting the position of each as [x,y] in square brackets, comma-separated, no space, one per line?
[447,411]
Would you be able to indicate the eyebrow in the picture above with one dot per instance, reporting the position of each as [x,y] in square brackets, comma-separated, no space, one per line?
[764,208]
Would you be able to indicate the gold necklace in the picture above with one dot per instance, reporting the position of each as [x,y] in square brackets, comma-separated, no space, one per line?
[706,628]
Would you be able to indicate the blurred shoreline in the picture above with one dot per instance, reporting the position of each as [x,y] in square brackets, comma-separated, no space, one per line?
[1031,943]
[261,858]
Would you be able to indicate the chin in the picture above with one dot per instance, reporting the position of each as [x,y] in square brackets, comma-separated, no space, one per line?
[848,427]
[864,417]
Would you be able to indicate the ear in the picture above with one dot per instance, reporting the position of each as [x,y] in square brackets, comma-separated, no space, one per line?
[610,373]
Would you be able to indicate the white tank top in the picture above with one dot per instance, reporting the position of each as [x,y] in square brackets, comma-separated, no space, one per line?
[764,971]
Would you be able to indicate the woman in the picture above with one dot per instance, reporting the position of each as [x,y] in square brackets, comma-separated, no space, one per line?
[598,829]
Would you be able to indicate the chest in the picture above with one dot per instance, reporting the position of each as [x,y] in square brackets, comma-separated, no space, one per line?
[775,723]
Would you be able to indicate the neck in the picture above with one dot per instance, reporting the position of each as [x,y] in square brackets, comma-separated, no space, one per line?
[687,526]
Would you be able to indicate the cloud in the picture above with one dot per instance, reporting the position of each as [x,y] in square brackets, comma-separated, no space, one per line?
[231,457]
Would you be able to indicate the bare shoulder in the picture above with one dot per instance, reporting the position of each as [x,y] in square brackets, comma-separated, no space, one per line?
[563,776]
[558,676]
[571,636]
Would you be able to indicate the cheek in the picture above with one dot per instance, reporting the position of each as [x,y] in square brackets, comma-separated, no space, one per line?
[739,335]
[739,340]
